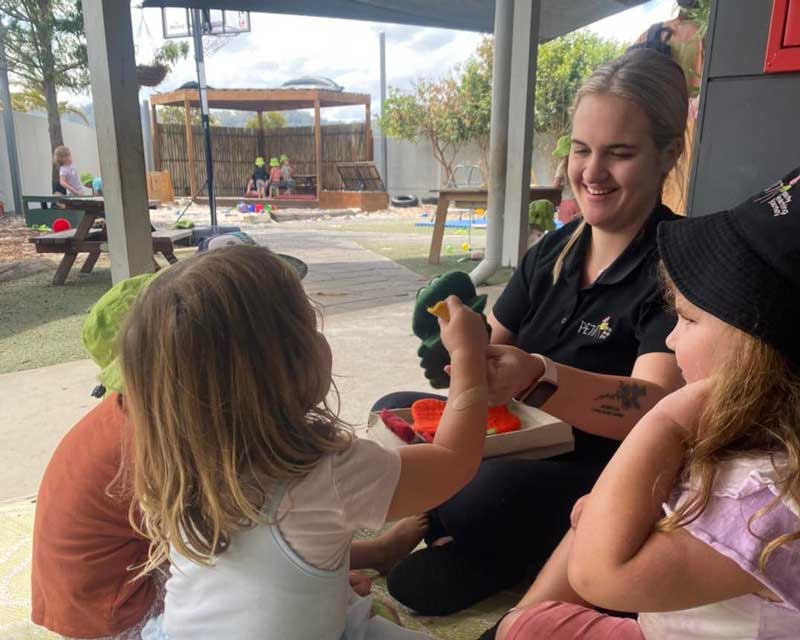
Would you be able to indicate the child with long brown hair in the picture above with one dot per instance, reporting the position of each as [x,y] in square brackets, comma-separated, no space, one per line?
[695,522]
[246,480]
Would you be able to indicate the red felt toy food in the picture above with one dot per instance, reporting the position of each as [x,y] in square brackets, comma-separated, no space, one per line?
[398,426]
[427,414]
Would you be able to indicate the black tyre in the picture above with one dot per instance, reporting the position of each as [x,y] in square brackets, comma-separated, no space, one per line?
[404,201]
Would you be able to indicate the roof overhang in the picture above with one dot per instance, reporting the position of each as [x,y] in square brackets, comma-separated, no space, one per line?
[261,99]
[558,16]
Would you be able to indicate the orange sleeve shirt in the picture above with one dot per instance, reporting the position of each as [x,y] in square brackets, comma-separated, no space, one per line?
[83,544]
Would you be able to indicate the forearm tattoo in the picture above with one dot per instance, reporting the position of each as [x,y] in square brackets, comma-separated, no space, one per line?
[625,398]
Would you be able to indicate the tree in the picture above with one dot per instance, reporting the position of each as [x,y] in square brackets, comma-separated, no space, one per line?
[25,101]
[475,93]
[174,115]
[269,120]
[46,51]
[563,64]
[432,110]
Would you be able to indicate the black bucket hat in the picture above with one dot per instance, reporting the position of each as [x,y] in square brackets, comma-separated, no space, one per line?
[743,265]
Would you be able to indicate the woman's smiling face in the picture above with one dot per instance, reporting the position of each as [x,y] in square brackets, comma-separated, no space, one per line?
[615,169]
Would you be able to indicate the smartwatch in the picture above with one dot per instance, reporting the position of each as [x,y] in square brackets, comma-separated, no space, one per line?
[542,388]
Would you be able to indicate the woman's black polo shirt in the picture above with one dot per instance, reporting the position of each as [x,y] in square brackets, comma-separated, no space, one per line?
[602,328]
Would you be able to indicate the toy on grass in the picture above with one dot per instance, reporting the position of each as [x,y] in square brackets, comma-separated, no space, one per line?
[432,353]
[427,414]
[465,246]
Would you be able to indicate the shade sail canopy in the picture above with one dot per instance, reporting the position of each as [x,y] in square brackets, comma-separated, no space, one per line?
[558,16]
[262,99]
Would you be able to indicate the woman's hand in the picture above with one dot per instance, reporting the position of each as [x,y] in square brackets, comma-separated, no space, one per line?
[465,332]
[510,371]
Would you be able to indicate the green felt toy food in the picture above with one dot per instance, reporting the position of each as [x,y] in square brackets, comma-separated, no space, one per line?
[433,356]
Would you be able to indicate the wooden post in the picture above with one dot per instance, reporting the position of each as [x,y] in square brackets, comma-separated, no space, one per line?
[260,133]
[112,70]
[318,145]
[156,138]
[187,121]
[368,134]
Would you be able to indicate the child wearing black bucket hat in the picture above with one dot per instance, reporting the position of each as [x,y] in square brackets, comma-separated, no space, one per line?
[695,522]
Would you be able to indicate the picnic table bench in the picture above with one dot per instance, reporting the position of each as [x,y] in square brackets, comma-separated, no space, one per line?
[85,239]
[473,199]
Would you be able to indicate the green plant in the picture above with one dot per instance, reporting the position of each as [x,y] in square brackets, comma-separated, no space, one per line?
[170,53]
[699,15]
[541,215]
[269,120]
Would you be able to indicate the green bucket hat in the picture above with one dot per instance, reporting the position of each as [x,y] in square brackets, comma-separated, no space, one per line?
[562,146]
[259,161]
[273,162]
[284,157]
[100,330]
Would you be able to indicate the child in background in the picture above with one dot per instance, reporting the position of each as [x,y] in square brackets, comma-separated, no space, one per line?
[247,481]
[275,177]
[287,172]
[68,178]
[722,455]
[257,186]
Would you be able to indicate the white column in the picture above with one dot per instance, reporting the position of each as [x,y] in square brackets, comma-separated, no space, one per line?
[498,140]
[112,69]
[524,49]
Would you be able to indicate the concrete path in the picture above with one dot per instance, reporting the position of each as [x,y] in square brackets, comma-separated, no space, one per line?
[367,302]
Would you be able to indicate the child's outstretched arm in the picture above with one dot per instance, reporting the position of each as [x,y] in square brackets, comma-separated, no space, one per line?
[432,473]
[617,560]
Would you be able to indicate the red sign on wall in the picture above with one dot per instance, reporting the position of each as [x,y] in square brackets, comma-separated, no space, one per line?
[783,45]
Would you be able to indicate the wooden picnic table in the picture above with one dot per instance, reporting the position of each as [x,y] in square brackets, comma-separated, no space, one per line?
[85,239]
[473,199]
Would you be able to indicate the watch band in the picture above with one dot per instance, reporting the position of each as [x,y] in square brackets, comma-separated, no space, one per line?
[544,387]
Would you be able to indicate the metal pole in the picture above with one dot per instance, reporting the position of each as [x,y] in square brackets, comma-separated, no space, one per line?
[8,123]
[384,145]
[197,34]
[498,140]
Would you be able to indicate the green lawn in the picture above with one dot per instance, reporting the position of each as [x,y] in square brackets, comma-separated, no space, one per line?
[40,324]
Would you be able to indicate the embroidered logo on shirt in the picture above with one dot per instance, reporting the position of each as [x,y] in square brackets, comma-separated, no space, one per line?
[601,331]
[778,197]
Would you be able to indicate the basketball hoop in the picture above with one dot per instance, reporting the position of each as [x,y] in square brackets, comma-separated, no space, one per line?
[176,22]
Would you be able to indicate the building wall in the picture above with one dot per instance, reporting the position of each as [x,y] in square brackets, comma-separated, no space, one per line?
[35,159]
[747,134]
[413,169]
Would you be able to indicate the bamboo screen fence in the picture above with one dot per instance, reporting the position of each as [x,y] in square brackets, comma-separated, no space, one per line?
[234,150]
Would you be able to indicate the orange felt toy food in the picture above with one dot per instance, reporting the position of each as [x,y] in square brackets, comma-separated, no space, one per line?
[440,310]
[426,415]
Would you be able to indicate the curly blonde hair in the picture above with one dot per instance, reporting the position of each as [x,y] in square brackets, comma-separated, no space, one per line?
[753,409]
[60,154]
[225,377]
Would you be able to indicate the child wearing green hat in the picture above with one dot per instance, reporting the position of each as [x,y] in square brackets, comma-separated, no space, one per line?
[287,173]
[275,177]
[257,186]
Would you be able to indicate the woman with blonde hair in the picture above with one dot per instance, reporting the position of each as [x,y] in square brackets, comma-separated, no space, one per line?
[579,331]
[245,479]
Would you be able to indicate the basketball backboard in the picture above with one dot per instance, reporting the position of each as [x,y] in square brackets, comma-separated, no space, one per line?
[176,22]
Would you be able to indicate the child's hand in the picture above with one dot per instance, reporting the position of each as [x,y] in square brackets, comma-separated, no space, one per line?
[360,583]
[684,407]
[465,332]
[577,510]
[510,371]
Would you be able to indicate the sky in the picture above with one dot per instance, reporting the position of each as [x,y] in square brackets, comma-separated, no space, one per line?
[281,47]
